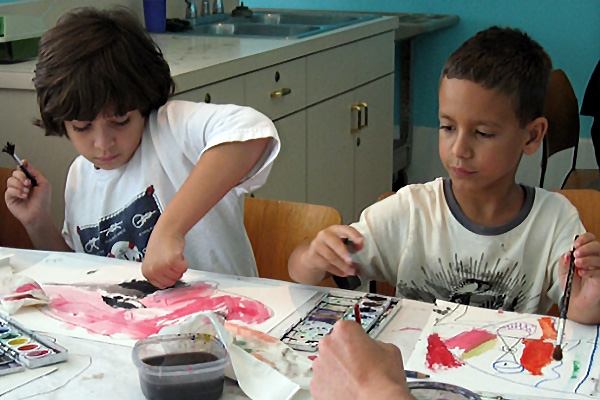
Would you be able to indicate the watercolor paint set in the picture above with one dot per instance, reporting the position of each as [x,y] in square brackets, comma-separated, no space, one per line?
[375,311]
[21,347]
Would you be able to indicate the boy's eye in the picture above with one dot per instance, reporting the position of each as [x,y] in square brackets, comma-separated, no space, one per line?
[80,128]
[123,122]
[447,128]
[484,134]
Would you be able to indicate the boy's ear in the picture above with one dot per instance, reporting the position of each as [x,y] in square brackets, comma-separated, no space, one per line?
[535,131]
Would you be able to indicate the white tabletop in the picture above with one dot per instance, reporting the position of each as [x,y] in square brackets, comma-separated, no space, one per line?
[97,370]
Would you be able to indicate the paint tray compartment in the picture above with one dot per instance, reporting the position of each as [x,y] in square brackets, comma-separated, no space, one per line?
[375,311]
[26,347]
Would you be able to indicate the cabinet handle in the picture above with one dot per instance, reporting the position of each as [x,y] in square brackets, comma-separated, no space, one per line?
[359,111]
[280,93]
[363,104]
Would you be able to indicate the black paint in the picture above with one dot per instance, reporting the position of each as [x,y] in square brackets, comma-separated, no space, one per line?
[200,389]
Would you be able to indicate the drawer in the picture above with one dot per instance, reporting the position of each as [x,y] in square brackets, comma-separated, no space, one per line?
[230,91]
[337,70]
[278,90]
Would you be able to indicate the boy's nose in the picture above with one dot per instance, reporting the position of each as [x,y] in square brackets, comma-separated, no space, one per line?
[462,147]
[104,140]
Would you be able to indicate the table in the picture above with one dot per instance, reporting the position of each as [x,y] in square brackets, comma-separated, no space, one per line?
[97,370]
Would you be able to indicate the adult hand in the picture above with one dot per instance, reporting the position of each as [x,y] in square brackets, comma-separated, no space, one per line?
[351,365]
[164,262]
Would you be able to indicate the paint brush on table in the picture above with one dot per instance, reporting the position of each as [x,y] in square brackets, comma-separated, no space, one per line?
[557,354]
[10,149]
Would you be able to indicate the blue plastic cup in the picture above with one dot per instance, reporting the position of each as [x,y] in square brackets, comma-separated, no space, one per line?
[155,15]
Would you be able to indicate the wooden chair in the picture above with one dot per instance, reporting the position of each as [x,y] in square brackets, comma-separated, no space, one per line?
[562,112]
[12,232]
[276,228]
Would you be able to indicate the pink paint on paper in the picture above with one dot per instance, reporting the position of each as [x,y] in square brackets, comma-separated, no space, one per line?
[469,340]
[27,287]
[79,306]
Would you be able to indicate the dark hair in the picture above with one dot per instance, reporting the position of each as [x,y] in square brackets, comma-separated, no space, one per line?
[98,60]
[507,60]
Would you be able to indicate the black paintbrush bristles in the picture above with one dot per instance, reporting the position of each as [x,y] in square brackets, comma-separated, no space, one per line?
[9,148]
[557,353]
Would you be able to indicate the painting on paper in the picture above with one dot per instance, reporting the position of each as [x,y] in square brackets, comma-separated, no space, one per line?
[115,304]
[507,353]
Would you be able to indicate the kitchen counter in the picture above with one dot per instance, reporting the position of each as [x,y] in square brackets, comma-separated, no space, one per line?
[201,60]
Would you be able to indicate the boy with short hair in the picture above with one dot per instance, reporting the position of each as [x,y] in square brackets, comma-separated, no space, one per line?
[156,180]
[476,237]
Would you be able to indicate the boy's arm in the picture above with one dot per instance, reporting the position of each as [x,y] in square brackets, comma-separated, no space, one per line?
[327,254]
[31,206]
[218,170]
[584,305]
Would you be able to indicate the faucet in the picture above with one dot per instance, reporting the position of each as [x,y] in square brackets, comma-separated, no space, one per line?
[218,7]
[204,7]
[190,11]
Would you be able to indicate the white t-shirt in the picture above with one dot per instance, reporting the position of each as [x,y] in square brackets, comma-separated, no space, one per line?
[112,213]
[420,241]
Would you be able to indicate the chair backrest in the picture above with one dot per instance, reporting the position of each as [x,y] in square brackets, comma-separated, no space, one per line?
[587,202]
[12,232]
[276,228]
[562,113]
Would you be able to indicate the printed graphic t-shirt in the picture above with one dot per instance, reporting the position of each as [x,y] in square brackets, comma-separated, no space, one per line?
[112,213]
[420,240]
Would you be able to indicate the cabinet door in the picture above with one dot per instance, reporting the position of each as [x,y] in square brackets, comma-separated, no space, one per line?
[230,91]
[373,164]
[287,180]
[330,155]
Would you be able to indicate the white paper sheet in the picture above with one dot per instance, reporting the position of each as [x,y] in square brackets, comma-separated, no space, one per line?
[507,353]
[82,288]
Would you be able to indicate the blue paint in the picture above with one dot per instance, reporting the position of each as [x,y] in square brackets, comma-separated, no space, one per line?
[587,373]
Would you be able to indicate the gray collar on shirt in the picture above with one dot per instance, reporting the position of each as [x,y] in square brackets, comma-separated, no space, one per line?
[488,230]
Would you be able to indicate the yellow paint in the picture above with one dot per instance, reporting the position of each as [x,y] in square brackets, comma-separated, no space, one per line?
[482,348]
[17,342]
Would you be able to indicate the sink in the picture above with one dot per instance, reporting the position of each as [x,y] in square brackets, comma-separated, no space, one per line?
[274,25]
[246,29]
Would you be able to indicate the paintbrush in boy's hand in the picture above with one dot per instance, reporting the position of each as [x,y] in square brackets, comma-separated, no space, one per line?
[10,149]
[557,354]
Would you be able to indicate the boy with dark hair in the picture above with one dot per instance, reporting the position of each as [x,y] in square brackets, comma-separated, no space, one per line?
[477,237]
[156,181]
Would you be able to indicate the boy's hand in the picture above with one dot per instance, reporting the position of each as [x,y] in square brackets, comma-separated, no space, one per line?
[351,365]
[328,252]
[29,205]
[584,304]
[164,262]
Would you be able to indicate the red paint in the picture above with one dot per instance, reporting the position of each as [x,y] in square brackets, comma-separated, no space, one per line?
[37,353]
[536,355]
[85,308]
[28,347]
[312,358]
[547,325]
[438,355]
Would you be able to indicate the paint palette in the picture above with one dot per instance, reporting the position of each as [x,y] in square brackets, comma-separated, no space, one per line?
[21,347]
[375,311]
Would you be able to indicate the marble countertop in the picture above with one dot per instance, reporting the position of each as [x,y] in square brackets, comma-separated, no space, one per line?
[197,61]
